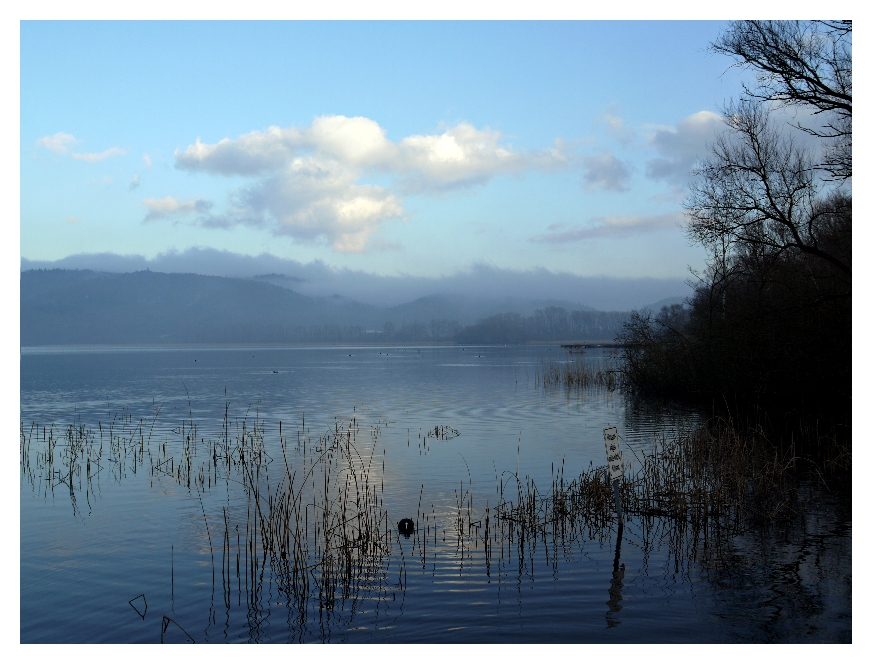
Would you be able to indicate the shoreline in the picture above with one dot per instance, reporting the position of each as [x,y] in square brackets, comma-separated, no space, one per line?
[107,347]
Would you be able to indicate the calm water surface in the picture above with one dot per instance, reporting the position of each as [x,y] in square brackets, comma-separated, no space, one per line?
[109,559]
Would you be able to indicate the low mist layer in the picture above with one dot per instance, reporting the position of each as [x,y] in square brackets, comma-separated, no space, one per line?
[87,307]
[317,279]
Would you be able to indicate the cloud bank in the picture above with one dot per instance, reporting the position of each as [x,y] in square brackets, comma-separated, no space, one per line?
[318,279]
[308,182]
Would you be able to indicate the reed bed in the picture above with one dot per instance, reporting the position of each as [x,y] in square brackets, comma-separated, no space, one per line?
[696,491]
[320,533]
[572,375]
[313,523]
[715,476]
[77,456]
[324,527]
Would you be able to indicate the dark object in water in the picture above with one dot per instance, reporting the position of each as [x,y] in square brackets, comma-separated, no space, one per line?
[443,432]
[136,608]
[406,527]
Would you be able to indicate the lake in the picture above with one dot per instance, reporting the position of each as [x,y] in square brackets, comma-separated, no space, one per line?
[154,480]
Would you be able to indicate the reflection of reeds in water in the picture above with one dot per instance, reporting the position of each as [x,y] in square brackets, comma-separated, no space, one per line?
[321,534]
[572,374]
[695,491]
[711,483]
[74,456]
[326,526]
[319,530]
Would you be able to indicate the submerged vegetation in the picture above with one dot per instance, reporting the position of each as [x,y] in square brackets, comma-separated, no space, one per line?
[307,514]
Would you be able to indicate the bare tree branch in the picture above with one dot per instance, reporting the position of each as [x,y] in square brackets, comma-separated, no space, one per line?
[757,187]
[801,63]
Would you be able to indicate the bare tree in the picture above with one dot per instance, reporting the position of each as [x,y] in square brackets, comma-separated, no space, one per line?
[770,318]
[801,63]
[760,191]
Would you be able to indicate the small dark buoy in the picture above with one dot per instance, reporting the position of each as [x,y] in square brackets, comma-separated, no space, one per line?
[406,527]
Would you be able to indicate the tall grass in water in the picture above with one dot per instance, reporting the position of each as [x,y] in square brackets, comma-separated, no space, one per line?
[76,456]
[310,518]
[323,524]
[324,527]
[696,491]
[319,530]
[573,374]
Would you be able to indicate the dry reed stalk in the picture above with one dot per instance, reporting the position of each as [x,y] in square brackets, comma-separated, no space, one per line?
[571,375]
[321,532]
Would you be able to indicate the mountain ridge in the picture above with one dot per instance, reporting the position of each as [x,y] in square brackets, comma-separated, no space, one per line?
[60,306]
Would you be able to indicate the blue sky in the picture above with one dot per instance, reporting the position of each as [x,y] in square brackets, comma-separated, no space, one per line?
[392,148]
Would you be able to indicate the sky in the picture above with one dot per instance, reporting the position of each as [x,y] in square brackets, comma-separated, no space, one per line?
[398,149]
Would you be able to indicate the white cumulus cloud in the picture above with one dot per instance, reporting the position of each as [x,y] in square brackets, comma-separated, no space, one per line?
[250,154]
[316,197]
[356,141]
[308,180]
[463,156]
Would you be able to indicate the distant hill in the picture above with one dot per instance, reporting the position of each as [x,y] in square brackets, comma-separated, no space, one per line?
[87,307]
[80,306]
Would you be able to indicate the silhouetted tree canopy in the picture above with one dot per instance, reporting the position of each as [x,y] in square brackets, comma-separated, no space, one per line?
[770,318]
[800,63]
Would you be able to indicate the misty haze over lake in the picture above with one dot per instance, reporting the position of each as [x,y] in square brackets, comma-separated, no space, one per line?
[317,279]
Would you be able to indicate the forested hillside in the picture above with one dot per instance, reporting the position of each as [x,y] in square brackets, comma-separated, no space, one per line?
[85,307]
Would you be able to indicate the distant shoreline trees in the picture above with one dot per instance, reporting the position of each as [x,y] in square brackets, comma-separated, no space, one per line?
[548,324]
[61,307]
